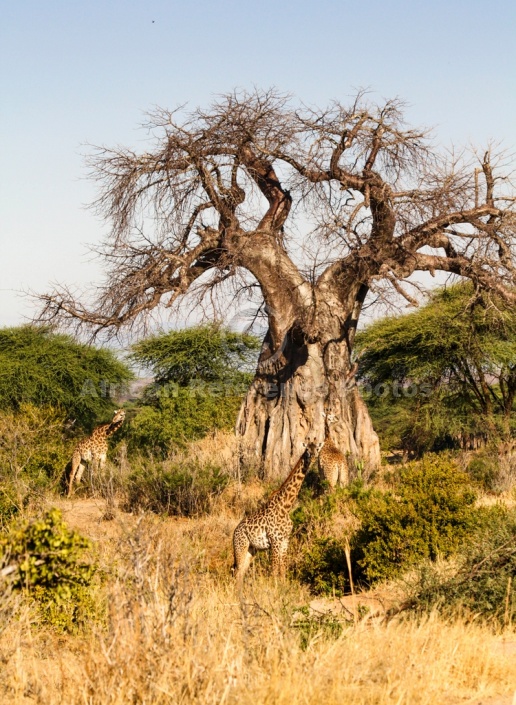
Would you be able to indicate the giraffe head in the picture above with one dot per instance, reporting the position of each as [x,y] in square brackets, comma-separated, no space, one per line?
[119,415]
[330,417]
[312,448]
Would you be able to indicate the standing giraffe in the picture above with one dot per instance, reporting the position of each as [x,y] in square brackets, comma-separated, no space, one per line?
[94,449]
[271,526]
[333,466]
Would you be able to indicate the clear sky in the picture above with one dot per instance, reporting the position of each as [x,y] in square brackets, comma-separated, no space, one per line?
[85,72]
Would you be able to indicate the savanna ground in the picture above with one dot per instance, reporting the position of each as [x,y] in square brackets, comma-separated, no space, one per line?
[163,623]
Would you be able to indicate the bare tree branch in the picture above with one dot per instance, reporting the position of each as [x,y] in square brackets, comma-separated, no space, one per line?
[234,189]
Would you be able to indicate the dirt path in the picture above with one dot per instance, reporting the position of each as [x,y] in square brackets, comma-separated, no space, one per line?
[90,518]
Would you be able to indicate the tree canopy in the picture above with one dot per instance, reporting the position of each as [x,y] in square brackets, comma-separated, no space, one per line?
[201,375]
[452,361]
[208,353]
[41,367]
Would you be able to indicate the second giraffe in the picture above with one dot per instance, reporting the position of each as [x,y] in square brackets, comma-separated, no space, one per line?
[93,449]
[270,527]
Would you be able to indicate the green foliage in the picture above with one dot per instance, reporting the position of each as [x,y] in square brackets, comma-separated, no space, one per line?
[33,455]
[323,567]
[204,353]
[170,422]
[483,470]
[492,470]
[170,488]
[43,368]
[427,514]
[312,626]
[481,583]
[43,558]
[201,375]
[445,371]
[322,525]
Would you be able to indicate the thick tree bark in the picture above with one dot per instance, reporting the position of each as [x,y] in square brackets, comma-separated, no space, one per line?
[287,402]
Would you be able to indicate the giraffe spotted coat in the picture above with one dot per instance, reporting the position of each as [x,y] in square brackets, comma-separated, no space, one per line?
[270,527]
[333,466]
[93,449]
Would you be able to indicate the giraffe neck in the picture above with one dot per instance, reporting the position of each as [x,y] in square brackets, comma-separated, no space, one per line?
[286,495]
[327,436]
[107,429]
[113,427]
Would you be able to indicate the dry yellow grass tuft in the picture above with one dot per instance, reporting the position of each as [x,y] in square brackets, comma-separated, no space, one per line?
[177,632]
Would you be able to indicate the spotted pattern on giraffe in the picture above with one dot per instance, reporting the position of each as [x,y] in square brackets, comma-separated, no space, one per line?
[333,465]
[93,450]
[270,527]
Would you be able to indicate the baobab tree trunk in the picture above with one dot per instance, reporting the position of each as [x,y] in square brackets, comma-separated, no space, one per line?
[288,399]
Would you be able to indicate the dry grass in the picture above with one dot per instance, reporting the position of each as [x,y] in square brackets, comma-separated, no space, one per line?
[177,632]
[221,448]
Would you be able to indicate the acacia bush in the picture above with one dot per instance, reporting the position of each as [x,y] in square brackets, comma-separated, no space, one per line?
[323,567]
[323,525]
[170,422]
[481,581]
[201,375]
[424,511]
[210,353]
[33,455]
[181,489]
[45,560]
[44,368]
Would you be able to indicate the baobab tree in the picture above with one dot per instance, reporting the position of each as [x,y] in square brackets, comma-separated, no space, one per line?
[318,212]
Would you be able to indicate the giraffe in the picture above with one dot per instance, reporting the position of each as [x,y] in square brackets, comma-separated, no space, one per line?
[94,449]
[271,526]
[333,466]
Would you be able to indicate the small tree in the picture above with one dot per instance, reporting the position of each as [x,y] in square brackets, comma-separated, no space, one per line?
[203,353]
[311,210]
[201,375]
[43,368]
[451,365]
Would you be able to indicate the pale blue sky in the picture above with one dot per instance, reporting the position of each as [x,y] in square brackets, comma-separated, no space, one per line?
[75,72]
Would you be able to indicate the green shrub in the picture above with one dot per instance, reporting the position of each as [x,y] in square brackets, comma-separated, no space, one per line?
[312,626]
[44,368]
[322,526]
[481,582]
[170,422]
[427,513]
[176,489]
[323,567]
[33,455]
[483,470]
[44,559]
[492,470]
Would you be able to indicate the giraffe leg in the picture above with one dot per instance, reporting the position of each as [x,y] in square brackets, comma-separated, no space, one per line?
[242,554]
[344,475]
[95,466]
[80,471]
[76,465]
[279,548]
[241,570]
